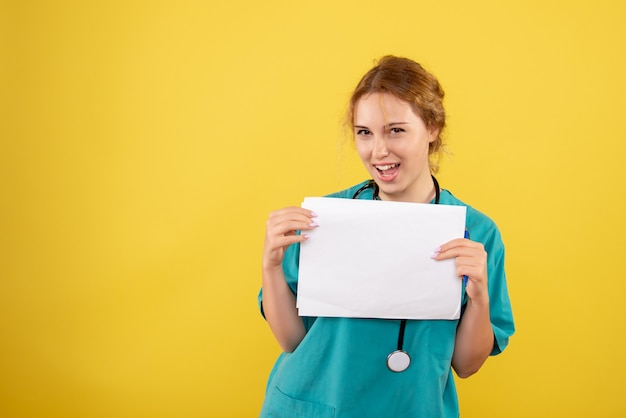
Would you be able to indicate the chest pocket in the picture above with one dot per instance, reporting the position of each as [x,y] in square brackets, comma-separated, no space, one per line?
[282,405]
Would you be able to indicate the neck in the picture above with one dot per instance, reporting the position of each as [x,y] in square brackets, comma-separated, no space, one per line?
[426,191]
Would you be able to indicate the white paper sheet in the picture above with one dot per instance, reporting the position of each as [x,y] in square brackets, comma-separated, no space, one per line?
[372,259]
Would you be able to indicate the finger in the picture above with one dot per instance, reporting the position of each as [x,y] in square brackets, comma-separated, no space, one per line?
[287,217]
[457,248]
[290,227]
[460,242]
[472,272]
[275,246]
[291,214]
[292,211]
[282,241]
[471,260]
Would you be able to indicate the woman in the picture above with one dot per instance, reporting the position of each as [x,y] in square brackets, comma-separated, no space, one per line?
[341,367]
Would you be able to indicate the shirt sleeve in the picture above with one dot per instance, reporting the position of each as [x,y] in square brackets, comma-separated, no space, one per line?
[499,302]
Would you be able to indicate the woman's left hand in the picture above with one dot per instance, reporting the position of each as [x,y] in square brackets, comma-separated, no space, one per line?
[471,261]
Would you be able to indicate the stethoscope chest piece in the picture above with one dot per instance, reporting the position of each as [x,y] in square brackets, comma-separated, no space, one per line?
[398,361]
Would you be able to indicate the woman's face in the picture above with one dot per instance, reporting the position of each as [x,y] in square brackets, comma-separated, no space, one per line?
[392,142]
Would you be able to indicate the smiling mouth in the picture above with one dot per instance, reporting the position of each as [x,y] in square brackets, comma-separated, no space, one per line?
[383,168]
[387,172]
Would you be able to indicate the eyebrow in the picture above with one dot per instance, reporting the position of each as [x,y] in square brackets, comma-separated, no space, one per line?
[389,125]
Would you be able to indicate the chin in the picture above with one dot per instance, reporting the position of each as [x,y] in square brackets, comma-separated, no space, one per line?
[390,191]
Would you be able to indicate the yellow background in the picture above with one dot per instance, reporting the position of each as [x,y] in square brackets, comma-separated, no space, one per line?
[143,145]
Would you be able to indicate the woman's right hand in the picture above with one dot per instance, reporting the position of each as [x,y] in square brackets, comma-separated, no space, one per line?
[282,231]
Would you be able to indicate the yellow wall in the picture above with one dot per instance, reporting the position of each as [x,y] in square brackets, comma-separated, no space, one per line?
[144,143]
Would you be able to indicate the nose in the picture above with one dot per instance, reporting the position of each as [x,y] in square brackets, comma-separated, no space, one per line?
[380,147]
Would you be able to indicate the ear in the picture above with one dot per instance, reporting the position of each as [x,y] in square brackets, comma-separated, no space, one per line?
[433,134]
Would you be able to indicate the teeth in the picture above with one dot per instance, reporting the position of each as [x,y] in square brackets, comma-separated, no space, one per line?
[385,167]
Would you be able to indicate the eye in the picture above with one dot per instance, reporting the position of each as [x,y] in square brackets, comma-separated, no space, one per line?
[362,132]
[396,130]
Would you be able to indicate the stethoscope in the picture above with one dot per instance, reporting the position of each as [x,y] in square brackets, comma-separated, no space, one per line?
[398,360]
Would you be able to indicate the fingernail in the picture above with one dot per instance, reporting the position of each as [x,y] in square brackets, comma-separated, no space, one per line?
[434,255]
[437,250]
[306,236]
[314,223]
[313,214]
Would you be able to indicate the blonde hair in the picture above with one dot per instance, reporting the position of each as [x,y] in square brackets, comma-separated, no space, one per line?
[408,81]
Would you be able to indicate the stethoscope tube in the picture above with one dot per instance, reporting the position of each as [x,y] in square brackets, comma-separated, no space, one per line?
[372,184]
